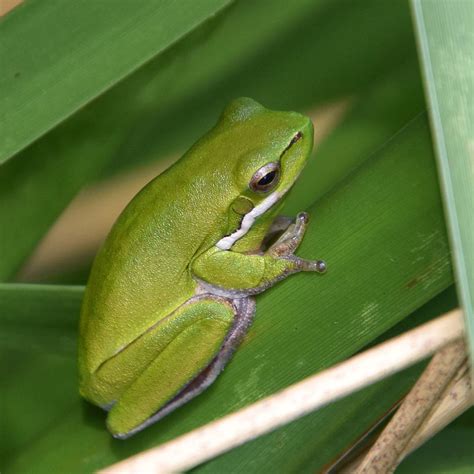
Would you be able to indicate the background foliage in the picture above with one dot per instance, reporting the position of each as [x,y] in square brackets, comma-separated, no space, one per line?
[90,92]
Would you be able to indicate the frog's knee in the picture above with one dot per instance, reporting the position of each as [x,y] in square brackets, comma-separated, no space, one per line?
[93,389]
[212,307]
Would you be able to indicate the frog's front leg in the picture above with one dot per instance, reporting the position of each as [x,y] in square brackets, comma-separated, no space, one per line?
[291,238]
[237,274]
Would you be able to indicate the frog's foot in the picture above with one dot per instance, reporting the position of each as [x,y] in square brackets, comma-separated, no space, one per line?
[122,420]
[289,241]
[291,237]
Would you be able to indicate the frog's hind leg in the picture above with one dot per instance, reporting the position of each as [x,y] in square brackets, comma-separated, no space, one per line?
[245,311]
[186,367]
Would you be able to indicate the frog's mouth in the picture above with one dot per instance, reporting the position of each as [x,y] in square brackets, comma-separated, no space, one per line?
[248,220]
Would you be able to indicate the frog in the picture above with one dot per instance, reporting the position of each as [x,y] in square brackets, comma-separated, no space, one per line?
[171,293]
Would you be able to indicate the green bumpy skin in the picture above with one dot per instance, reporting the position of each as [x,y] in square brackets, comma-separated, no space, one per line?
[169,297]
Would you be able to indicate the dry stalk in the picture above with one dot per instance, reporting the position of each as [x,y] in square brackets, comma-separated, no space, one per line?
[385,453]
[457,399]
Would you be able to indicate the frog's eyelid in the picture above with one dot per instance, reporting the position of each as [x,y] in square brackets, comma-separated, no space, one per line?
[256,186]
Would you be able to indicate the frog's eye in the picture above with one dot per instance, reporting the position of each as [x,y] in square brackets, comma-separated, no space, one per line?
[266,178]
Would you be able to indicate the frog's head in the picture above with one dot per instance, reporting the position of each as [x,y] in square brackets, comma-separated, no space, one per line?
[268,152]
[269,148]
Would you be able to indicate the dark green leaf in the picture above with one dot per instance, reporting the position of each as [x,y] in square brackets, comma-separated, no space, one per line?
[289,58]
[57,56]
[446,45]
[385,244]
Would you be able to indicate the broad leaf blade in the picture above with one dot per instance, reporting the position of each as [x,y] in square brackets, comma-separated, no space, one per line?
[39,318]
[386,248]
[171,101]
[372,241]
[446,43]
[47,77]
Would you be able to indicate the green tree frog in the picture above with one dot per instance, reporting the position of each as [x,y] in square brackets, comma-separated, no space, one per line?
[170,294]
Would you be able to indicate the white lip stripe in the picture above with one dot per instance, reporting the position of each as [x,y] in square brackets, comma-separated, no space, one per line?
[247,222]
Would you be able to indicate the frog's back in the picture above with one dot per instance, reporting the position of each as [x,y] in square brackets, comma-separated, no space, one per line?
[141,273]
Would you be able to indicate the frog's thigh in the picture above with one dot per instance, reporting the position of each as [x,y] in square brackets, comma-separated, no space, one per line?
[176,365]
[107,384]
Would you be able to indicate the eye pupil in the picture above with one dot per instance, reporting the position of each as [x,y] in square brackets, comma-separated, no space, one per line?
[267,179]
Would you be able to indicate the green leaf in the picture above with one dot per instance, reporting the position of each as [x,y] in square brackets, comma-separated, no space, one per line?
[446,44]
[41,318]
[173,99]
[37,185]
[376,234]
[93,47]
[374,119]
[332,431]
[385,244]
[314,52]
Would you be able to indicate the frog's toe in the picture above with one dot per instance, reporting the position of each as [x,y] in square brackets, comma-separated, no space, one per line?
[303,217]
[319,266]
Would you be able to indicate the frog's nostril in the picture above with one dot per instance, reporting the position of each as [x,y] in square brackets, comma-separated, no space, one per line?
[297,137]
